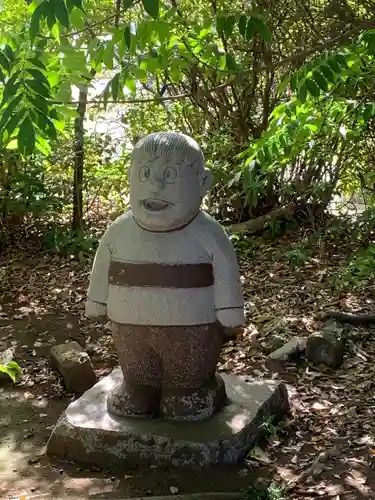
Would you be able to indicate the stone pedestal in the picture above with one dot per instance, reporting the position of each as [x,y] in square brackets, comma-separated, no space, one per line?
[87,433]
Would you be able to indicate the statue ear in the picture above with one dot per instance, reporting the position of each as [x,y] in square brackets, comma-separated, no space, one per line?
[206,181]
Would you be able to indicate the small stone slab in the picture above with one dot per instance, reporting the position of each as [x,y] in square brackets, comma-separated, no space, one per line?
[74,364]
[325,348]
[87,433]
[293,347]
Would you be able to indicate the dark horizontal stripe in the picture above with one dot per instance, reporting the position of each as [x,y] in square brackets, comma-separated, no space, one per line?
[161,275]
[228,308]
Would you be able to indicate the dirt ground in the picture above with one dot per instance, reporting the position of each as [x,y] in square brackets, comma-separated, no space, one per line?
[41,300]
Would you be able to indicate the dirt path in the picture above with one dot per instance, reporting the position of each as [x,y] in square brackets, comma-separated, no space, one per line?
[41,300]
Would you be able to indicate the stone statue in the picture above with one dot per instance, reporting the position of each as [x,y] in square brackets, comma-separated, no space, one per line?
[166,275]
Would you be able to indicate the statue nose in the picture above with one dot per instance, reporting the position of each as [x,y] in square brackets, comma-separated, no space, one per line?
[157,182]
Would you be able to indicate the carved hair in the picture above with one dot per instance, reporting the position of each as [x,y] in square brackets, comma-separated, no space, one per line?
[181,147]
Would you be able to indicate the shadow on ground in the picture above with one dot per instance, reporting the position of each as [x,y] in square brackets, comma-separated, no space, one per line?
[41,304]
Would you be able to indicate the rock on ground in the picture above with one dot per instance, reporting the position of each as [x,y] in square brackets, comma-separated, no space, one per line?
[325,348]
[74,364]
[293,347]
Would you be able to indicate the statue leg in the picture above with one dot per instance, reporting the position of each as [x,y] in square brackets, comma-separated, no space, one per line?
[190,388]
[139,393]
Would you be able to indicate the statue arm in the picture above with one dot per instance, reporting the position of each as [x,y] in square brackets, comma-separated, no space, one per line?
[229,302]
[96,304]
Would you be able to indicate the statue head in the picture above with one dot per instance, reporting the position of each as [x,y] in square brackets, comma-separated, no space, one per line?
[168,181]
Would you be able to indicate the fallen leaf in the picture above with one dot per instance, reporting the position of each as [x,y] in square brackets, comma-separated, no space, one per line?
[260,456]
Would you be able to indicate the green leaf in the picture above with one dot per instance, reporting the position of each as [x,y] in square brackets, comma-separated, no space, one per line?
[4,62]
[368,112]
[14,121]
[150,64]
[59,125]
[64,93]
[53,78]
[231,62]
[267,154]
[115,86]
[46,125]
[61,12]
[11,371]
[328,73]
[262,28]
[69,112]
[13,144]
[242,23]
[53,114]
[302,92]
[127,36]
[341,59]
[229,25]
[38,87]
[312,87]
[7,112]
[334,65]
[9,53]
[121,48]
[131,85]
[37,62]
[39,102]
[38,13]
[294,82]
[250,29]
[222,61]
[105,94]
[74,3]
[26,136]
[163,29]
[55,31]
[108,54]
[225,25]
[74,60]
[127,3]
[51,19]
[2,76]
[151,7]
[42,145]
[77,18]
[38,75]
[220,24]
[11,87]
[13,365]
[261,157]
[320,80]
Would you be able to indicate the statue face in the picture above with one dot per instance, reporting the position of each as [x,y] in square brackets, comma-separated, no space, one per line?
[165,194]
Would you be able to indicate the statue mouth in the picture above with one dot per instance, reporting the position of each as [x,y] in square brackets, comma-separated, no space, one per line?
[155,206]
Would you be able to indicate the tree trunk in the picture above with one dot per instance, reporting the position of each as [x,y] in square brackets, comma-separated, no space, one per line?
[254,225]
[79,156]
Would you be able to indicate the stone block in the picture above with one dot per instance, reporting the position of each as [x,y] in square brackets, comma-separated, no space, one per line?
[325,348]
[74,364]
[87,433]
[292,348]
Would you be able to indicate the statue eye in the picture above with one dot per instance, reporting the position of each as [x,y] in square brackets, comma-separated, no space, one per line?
[170,175]
[144,174]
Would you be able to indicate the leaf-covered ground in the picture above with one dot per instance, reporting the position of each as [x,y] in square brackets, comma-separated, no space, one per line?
[286,284]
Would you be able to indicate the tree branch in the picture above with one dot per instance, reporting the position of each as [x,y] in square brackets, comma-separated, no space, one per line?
[151,99]
[347,35]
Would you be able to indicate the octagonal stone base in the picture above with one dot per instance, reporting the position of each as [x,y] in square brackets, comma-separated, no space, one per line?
[87,433]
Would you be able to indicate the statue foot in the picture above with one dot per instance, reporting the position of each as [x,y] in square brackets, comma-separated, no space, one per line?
[126,400]
[193,404]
